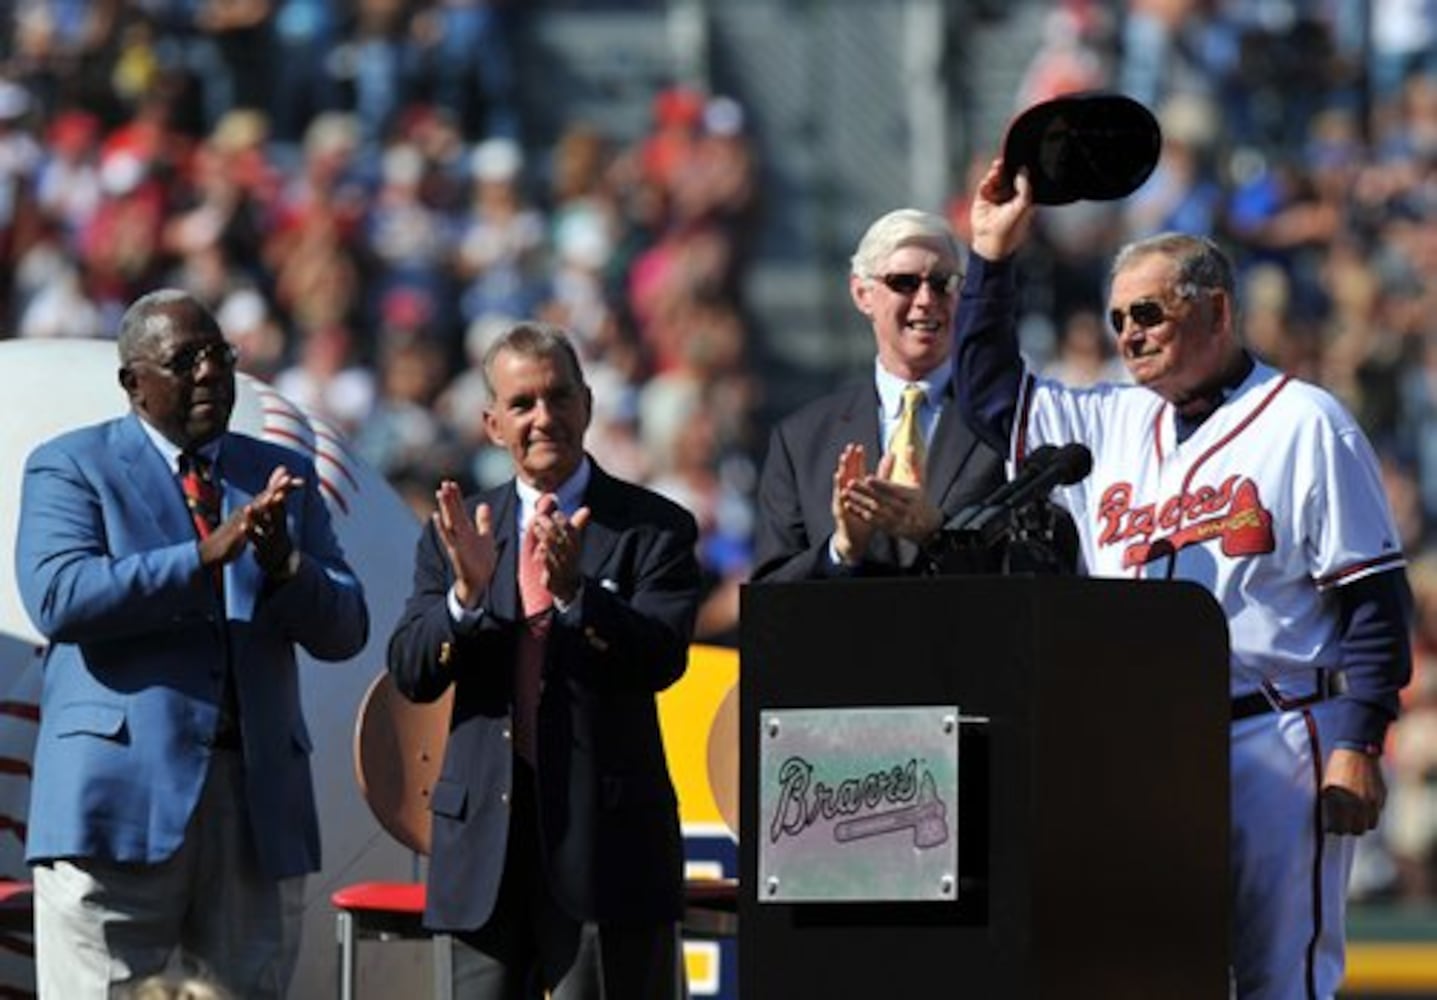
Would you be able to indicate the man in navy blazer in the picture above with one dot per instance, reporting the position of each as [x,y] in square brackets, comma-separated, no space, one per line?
[556,854]
[829,502]
[173,814]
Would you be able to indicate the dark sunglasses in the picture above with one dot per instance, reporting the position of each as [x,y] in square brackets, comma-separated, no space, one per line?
[183,364]
[1147,313]
[907,284]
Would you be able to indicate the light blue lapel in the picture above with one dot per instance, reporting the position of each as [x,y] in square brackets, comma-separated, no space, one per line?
[151,483]
[242,476]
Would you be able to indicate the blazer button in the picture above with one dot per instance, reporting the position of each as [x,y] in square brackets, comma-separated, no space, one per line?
[504,797]
[508,734]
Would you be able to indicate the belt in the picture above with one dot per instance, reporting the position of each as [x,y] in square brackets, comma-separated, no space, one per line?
[1330,684]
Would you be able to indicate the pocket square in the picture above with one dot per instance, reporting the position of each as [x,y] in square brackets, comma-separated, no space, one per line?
[612,586]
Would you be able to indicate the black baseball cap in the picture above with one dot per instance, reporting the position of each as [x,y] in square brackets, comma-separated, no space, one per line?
[1091,146]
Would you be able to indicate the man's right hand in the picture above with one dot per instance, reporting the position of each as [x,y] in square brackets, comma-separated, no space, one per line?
[227,541]
[1001,213]
[468,544]
[850,531]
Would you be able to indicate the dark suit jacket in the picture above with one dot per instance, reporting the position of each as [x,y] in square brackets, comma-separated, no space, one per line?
[110,572]
[608,814]
[795,489]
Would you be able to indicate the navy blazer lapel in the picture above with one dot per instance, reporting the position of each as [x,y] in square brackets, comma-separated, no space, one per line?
[599,539]
[860,422]
[504,587]
[952,443]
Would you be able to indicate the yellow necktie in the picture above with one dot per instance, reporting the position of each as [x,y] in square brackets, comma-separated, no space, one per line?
[908,435]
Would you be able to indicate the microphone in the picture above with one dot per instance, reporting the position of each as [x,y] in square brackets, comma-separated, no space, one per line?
[1037,541]
[1037,461]
[1069,465]
[1046,468]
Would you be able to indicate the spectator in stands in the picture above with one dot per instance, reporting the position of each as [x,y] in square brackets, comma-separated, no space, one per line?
[502,246]
[20,159]
[327,380]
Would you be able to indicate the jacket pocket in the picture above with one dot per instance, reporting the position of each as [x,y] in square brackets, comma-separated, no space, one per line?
[89,719]
[448,798]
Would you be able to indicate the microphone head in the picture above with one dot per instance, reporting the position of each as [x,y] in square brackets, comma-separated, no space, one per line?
[1039,457]
[1073,462]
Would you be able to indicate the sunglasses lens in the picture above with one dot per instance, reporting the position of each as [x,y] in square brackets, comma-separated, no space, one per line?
[1146,313]
[908,284]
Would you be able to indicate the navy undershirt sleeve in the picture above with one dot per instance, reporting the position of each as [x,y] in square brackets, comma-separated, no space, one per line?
[1376,647]
[987,365]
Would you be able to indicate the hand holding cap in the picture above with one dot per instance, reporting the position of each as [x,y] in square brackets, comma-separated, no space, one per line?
[1091,146]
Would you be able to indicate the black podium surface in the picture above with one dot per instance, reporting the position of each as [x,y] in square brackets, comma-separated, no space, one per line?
[1092,806]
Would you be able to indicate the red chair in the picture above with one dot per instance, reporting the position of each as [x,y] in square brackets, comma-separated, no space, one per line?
[398,749]
[386,911]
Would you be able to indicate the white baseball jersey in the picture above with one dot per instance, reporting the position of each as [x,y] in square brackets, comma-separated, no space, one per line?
[1269,503]
[1273,500]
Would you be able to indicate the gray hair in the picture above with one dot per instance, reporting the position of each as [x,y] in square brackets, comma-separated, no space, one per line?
[533,339]
[900,228]
[1200,263]
[142,321]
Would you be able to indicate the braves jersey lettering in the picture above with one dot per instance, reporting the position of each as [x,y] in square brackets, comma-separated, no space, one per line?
[1232,512]
[1242,507]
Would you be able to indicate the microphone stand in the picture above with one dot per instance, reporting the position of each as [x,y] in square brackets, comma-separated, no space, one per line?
[1037,537]
[1034,535]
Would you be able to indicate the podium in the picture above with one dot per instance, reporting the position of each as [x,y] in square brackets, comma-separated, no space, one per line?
[1092,794]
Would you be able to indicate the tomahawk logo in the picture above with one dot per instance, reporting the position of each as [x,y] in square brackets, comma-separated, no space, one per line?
[1232,514]
[880,802]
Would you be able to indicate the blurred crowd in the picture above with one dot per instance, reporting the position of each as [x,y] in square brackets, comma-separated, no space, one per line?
[352,197]
[1303,137]
[348,187]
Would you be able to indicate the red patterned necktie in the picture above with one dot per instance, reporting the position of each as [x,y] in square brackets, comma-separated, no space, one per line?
[202,496]
[536,602]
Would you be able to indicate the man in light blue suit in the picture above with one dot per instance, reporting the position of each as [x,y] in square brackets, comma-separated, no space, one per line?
[173,817]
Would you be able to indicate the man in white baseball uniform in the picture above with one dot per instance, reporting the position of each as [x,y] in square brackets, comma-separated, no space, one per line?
[1217,469]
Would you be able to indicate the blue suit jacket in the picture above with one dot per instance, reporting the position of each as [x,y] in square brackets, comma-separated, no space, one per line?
[109,570]
[608,815]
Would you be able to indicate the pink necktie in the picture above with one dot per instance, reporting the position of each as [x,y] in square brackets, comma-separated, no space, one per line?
[533,635]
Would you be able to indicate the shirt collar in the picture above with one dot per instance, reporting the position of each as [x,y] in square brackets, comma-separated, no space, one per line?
[172,452]
[570,493]
[1185,426]
[890,386]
